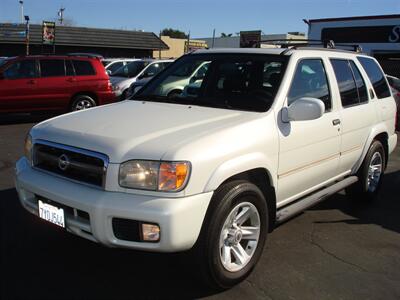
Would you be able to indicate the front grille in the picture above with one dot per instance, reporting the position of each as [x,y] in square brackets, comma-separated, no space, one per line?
[73,163]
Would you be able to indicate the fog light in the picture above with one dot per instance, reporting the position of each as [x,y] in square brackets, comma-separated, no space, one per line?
[150,232]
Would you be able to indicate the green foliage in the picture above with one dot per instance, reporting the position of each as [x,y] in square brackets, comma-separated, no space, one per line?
[174,33]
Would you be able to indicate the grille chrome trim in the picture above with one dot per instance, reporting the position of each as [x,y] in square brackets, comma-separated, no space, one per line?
[77,150]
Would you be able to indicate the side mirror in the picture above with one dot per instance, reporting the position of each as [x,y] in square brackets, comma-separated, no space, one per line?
[108,72]
[303,109]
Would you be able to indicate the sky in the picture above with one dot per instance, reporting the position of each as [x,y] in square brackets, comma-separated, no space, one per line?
[199,17]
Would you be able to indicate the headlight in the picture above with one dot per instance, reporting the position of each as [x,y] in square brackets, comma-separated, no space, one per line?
[154,175]
[115,87]
[28,147]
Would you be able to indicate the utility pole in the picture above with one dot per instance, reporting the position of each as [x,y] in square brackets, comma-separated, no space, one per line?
[22,11]
[61,14]
[213,39]
[27,34]
[159,47]
[188,42]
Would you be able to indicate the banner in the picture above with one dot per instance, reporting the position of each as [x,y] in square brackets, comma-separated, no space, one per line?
[48,33]
[250,39]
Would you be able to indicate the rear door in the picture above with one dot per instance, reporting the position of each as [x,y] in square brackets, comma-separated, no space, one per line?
[54,86]
[357,114]
[18,88]
[87,81]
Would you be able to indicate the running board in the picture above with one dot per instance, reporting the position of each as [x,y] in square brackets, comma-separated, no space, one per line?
[287,212]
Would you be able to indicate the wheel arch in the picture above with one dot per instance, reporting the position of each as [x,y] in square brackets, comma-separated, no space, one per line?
[380,134]
[84,93]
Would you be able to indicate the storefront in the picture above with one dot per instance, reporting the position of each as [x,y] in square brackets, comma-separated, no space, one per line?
[379,36]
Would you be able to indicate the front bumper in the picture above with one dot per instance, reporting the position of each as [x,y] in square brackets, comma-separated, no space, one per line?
[180,219]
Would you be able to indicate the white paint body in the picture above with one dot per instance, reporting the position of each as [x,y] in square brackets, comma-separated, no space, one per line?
[299,156]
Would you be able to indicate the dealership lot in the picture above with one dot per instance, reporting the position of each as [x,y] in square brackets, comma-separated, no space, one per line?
[340,249]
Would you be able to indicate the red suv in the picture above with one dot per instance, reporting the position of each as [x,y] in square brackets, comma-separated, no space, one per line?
[34,83]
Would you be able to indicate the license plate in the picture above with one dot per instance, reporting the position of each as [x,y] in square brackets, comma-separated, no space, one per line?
[51,213]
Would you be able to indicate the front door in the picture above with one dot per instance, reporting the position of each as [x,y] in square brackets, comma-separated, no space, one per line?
[309,150]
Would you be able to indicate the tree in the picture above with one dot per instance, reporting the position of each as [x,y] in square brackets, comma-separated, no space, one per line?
[223,34]
[174,33]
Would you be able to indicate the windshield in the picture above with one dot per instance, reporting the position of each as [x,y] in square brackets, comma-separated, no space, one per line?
[130,70]
[231,81]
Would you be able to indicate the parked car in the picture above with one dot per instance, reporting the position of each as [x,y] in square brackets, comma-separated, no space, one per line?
[113,64]
[139,83]
[68,83]
[215,172]
[394,83]
[177,81]
[136,70]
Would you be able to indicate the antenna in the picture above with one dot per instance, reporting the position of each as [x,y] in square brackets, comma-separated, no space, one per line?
[61,14]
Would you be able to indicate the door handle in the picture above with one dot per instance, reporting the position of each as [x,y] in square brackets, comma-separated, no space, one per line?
[32,81]
[71,79]
[335,122]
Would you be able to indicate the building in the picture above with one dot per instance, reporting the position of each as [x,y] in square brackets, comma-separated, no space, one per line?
[234,41]
[106,42]
[379,36]
[177,47]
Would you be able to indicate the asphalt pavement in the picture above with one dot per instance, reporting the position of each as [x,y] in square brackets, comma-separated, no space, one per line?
[340,249]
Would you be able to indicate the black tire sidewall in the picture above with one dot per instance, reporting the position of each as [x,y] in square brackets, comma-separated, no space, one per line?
[80,98]
[227,200]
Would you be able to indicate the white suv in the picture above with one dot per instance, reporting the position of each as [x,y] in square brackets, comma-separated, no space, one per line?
[268,133]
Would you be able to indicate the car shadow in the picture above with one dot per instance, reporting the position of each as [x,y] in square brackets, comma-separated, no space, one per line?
[40,261]
[382,211]
[22,118]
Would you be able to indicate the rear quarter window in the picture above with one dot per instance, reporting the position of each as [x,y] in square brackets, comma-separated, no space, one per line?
[376,77]
[83,68]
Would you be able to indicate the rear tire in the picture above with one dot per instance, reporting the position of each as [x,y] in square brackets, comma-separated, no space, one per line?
[233,234]
[82,102]
[370,174]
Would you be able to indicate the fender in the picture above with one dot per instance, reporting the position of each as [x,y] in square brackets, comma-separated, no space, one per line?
[238,165]
[376,130]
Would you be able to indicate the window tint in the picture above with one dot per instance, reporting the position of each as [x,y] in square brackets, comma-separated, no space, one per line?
[376,77]
[361,88]
[115,66]
[52,67]
[83,67]
[153,70]
[21,69]
[347,86]
[69,69]
[310,81]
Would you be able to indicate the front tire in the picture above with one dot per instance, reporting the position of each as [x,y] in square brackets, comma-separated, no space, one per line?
[233,234]
[370,174]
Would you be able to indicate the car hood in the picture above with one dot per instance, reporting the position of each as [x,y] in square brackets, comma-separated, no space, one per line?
[136,129]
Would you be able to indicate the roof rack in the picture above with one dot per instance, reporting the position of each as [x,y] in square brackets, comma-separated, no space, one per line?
[287,43]
[90,55]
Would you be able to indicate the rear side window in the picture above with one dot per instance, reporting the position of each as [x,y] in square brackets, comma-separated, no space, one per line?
[115,66]
[83,67]
[21,69]
[52,67]
[361,88]
[310,81]
[376,77]
[346,82]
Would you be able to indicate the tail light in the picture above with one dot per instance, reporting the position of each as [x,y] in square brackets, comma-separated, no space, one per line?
[109,85]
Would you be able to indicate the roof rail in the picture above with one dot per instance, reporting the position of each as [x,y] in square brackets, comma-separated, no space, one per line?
[287,43]
[90,55]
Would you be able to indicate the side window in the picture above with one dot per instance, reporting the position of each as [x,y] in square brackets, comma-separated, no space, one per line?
[347,86]
[69,69]
[310,80]
[152,70]
[52,67]
[83,67]
[376,77]
[361,88]
[21,69]
[115,66]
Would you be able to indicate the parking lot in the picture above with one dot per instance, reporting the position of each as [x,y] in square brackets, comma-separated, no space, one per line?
[340,249]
